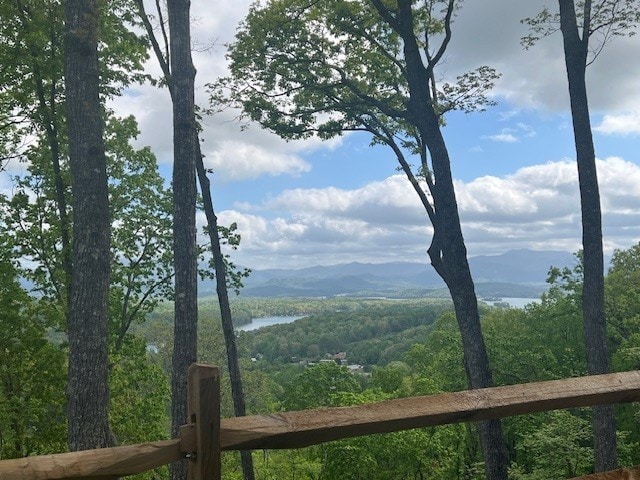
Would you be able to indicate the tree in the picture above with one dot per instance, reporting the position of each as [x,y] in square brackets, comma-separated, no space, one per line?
[219,261]
[34,128]
[141,253]
[222,291]
[140,206]
[604,19]
[556,449]
[184,212]
[322,68]
[87,387]
[39,215]
[32,417]
[317,386]
[35,52]
[622,287]
[34,131]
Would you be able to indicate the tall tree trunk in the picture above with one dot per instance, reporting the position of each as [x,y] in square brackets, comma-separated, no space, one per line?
[575,52]
[184,226]
[447,252]
[212,221]
[225,311]
[87,389]
[448,256]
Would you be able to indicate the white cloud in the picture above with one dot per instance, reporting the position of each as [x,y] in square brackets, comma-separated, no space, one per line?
[623,124]
[234,153]
[489,33]
[536,207]
[233,160]
[390,201]
[512,134]
[503,138]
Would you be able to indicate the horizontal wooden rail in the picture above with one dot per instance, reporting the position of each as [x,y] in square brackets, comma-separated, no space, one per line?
[103,463]
[303,428]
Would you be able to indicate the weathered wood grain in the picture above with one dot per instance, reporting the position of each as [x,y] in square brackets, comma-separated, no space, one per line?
[204,412]
[302,428]
[103,464]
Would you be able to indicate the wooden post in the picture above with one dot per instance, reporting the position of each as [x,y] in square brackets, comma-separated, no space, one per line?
[204,412]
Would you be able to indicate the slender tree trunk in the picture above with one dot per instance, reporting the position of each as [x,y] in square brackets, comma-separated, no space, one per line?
[447,252]
[448,256]
[225,311]
[49,114]
[221,285]
[184,201]
[47,105]
[576,50]
[87,389]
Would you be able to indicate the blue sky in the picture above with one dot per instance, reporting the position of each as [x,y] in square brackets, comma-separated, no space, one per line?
[309,202]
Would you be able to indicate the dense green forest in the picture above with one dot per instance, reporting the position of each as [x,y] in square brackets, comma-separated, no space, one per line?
[406,348]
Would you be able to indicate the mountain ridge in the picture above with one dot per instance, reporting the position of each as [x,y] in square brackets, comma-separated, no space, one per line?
[515,273]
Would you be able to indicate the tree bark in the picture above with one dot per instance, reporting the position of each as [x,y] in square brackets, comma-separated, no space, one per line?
[576,51]
[235,376]
[212,221]
[447,252]
[184,201]
[87,388]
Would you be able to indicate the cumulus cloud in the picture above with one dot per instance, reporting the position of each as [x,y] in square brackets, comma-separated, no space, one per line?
[233,160]
[484,33]
[536,207]
[254,152]
[390,201]
[504,137]
[489,33]
[627,123]
[512,134]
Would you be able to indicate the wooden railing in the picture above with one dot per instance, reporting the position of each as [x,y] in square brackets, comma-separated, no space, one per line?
[202,439]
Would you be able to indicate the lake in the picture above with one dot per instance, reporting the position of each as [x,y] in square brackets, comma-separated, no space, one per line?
[257,323]
[515,302]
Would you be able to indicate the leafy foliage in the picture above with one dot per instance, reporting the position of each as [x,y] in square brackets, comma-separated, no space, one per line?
[322,68]
[32,369]
[599,22]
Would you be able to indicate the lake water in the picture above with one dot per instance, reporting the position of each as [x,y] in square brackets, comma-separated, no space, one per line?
[257,323]
[516,302]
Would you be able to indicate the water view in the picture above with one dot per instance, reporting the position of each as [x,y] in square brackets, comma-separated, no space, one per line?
[514,302]
[256,323]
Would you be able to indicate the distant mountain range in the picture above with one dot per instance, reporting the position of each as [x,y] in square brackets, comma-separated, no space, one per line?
[516,273]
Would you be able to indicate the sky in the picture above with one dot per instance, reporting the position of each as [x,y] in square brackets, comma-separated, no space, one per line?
[306,203]
[309,202]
